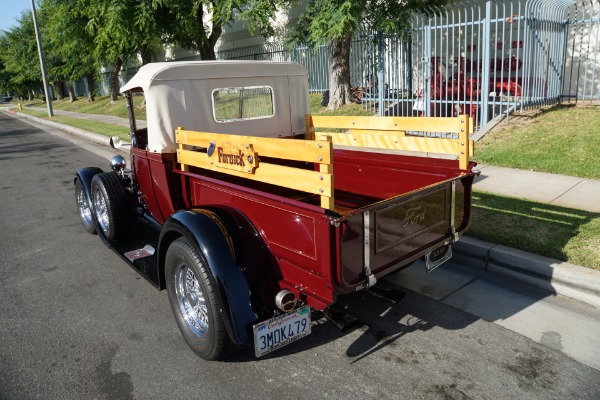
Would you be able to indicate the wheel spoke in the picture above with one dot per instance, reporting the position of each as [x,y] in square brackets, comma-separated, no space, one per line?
[191,300]
[83,206]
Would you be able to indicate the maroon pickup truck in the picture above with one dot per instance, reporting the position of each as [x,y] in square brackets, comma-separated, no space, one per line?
[250,212]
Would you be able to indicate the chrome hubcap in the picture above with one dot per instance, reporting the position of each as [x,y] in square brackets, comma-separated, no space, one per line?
[84,208]
[101,210]
[191,301]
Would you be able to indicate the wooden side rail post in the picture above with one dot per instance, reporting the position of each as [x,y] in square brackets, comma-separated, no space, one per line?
[390,133]
[240,156]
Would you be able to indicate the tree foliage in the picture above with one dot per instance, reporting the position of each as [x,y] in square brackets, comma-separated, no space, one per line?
[19,56]
[336,21]
[69,44]
[198,24]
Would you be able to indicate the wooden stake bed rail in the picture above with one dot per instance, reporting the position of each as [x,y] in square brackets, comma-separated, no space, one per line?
[390,133]
[240,156]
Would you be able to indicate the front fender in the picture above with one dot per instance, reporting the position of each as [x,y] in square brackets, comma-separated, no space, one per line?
[85,176]
[209,237]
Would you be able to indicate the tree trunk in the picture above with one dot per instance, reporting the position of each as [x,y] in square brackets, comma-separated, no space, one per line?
[207,51]
[339,72]
[114,80]
[206,44]
[91,87]
[58,90]
[71,90]
[145,54]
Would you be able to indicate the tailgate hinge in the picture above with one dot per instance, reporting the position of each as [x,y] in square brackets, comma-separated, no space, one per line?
[453,232]
[370,279]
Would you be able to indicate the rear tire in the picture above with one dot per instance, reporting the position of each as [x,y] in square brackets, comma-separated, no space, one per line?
[83,206]
[194,301]
[111,205]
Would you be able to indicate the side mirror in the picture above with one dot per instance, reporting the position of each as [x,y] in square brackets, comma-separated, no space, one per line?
[116,142]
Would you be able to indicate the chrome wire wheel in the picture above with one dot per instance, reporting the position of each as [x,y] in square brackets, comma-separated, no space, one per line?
[195,303]
[101,210]
[191,301]
[84,208]
[85,212]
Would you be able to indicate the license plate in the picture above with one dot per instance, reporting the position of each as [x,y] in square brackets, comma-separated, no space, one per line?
[281,330]
[437,257]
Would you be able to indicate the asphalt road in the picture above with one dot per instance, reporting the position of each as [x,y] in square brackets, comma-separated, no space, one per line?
[77,323]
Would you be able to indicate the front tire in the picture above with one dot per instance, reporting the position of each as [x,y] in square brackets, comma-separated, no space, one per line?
[194,301]
[83,206]
[111,205]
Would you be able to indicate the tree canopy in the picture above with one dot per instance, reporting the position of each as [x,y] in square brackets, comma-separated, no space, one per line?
[18,54]
[82,36]
[336,21]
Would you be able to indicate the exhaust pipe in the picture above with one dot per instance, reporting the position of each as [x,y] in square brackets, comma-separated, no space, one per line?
[286,301]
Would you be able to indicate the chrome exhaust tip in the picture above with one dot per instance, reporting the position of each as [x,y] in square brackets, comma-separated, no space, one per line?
[286,301]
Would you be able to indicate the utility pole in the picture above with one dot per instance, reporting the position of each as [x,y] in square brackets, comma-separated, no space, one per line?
[42,66]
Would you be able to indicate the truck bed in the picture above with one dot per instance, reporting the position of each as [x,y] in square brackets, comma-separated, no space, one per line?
[361,178]
[365,213]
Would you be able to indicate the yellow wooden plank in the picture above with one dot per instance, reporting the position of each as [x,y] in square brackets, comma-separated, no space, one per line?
[289,149]
[420,124]
[375,132]
[327,201]
[406,143]
[463,138]
[308,127]
[182,166]
[314,182]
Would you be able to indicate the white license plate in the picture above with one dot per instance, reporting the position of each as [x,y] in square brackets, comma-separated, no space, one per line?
[281,330]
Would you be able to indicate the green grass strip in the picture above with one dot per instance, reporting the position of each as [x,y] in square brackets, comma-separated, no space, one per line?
[100,128]
[562,140]
[561,233]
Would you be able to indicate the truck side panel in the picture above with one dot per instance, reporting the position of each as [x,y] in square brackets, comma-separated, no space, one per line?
[297,234]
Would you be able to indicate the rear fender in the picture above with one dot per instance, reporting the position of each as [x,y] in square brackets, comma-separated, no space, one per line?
[209,235]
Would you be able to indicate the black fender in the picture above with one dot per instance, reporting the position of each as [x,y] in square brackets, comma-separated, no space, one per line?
[209,236]
[85,175]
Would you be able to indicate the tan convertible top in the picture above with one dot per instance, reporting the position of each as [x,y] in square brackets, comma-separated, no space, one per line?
[180,94]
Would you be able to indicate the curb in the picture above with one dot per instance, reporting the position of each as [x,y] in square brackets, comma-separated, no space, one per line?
[558,277]
[93,137]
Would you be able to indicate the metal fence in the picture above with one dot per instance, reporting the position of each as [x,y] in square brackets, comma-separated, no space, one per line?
[484,59]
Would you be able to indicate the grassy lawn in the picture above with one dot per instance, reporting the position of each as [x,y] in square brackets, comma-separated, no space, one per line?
[102,105]
[91,126]
[561,139]
[557,232]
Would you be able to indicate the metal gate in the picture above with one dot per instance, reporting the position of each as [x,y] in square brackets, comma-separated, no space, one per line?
[484,59]
[488,59]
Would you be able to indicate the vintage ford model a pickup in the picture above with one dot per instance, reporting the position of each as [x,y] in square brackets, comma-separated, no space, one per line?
[250,211]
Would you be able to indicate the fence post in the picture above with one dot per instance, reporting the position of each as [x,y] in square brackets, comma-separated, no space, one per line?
[427,69]
[380,73]
[485,78]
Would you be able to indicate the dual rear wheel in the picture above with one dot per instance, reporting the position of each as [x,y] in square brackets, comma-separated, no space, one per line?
[110,205]
[190,285]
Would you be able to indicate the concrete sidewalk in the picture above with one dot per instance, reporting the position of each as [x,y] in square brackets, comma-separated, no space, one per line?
[559,190]
[554,276]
